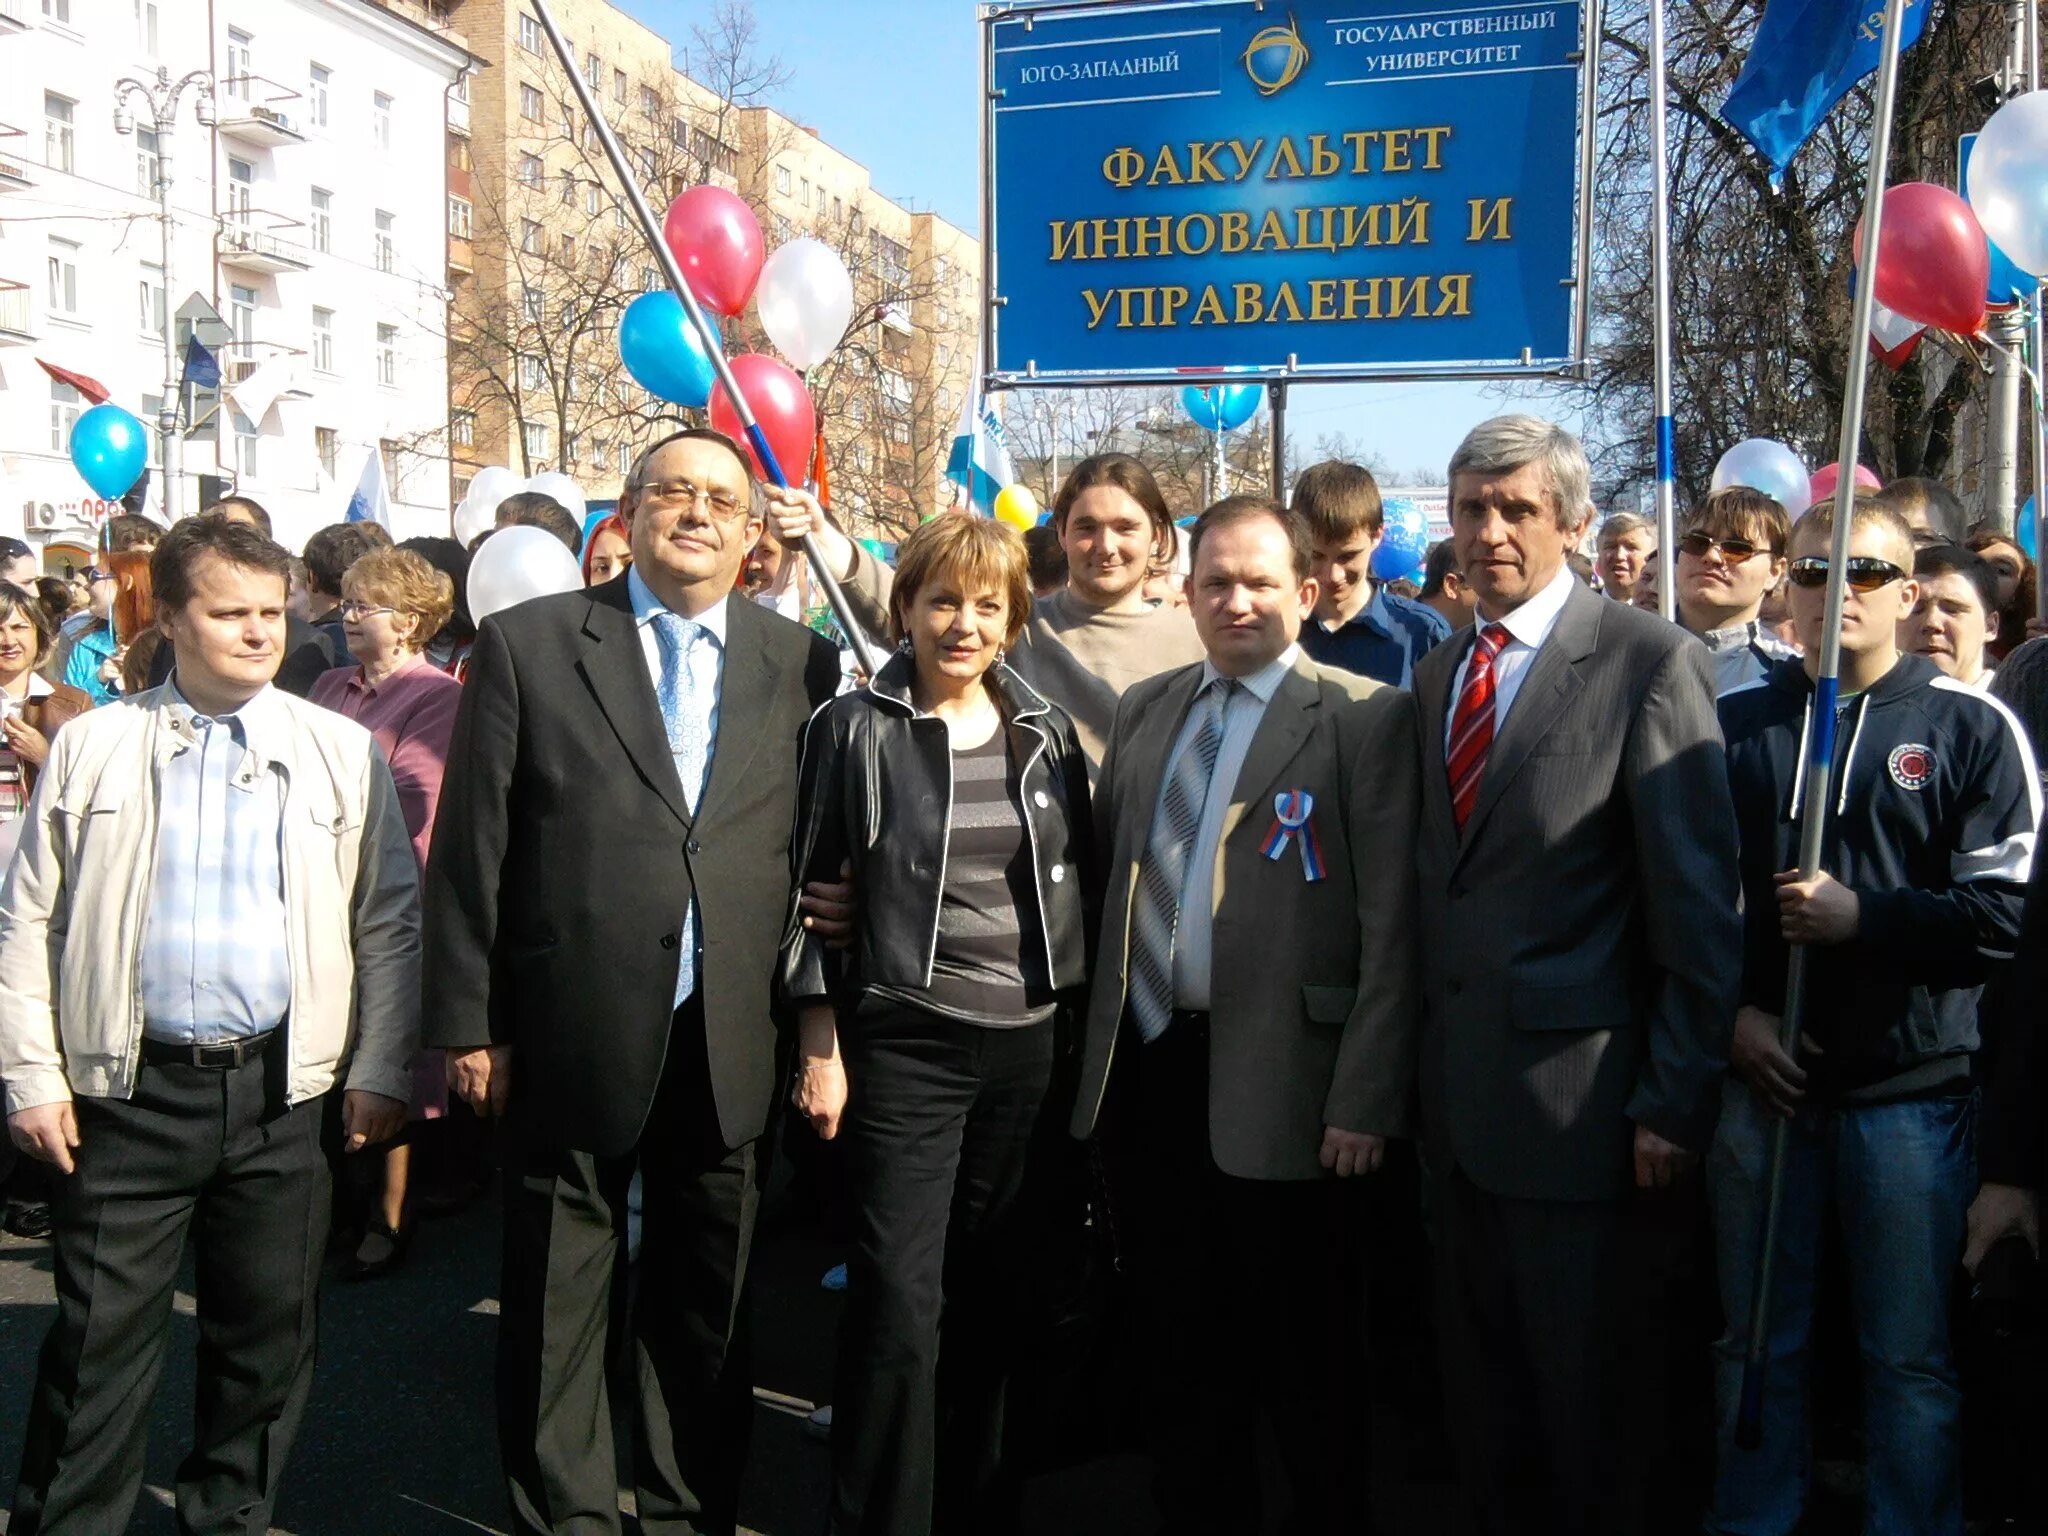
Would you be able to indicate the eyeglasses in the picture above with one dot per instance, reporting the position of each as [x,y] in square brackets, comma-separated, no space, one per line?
[724,506]
[1866,572]
[93,574]
[1734,551]
[355,610]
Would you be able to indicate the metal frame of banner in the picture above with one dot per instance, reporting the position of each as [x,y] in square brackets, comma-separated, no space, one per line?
[706,330]
[1660,289]
[1576,366]
[2036,337]
[1820,754]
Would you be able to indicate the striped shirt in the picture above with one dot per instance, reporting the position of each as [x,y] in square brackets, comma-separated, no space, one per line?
[214,963]
[988,967]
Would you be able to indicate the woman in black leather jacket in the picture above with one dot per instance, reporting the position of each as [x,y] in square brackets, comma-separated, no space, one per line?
[961,798]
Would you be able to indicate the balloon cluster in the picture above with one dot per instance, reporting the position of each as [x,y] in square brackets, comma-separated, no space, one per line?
[477,512]
[1220,407]
[516,565]
[1770,467]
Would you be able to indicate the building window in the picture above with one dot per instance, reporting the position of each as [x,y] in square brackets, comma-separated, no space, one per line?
[651,280]
[803,193]
[529,237]
[462,429]
[245,445]
[533,304]
[717,155]
[458,487]
[63,277]
[643,160]
[593,199]
[59,143]
[241,63]
[387,355]
[145,27]
[327,443]
[650,101]
[892,262]
[530,171]
[150,310]
[619,86]
[782,179]
[388,451]
[532,373]
[572,447]
[242,315]
[65,405]
[458,153]
[380,121]
[567,250]
[148,162]
[323,340]
[593,71]
[387,253]
[529,33]
[323,219]
[534,435]
[316,94]
[459,217]
[58,11]
[530,106]
[568,189]
[241,189]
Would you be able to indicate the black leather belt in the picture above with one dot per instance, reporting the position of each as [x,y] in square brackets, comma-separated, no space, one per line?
[218,1054]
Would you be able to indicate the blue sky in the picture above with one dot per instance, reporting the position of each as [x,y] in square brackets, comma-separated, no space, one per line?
[892,83]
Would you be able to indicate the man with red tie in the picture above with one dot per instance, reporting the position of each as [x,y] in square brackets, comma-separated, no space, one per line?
[1580,950]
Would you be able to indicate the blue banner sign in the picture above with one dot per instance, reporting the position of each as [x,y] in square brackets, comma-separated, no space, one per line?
[1345,189]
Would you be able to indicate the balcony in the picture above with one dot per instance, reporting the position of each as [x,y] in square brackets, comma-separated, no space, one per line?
[256,124]
[255,250]
[14,176]
[14,314]
[458,115]
[13,17]
[461,257]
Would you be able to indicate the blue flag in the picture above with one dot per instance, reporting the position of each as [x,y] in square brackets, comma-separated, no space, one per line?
[202,368]
[369,503]
[1807,55]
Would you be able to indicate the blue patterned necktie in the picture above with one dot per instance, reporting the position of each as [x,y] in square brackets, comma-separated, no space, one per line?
[685,713]
[1161,878]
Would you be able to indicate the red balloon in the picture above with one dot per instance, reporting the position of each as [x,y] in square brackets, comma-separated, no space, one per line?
[1828,476]
[717,242]
[780,404]
[1933,263]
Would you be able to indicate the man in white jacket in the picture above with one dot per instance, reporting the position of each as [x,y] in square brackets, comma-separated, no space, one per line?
[212,920]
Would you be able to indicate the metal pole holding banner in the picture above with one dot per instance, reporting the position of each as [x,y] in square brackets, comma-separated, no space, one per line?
[1660,291]
[707,333]
[2037,334]
[1276,392]
[1820,755]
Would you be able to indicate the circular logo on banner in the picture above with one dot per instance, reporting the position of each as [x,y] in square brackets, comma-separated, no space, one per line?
[1912,765]
[1276,58]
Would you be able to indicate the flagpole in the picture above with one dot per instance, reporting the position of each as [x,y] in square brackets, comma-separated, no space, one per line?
[707,333]
[2037,336]
[1660,292]
[1820,755]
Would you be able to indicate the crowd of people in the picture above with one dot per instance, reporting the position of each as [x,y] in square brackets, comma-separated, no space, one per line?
[1347,977]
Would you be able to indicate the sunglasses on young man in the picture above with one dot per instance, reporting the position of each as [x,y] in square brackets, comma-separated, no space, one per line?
[1866,572]
[1734,551]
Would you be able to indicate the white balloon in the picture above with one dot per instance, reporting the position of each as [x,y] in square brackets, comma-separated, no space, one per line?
[1767,466]
[471,519]
[2008,181]
[492,486]
[552,482]
[806,298]
[517,564]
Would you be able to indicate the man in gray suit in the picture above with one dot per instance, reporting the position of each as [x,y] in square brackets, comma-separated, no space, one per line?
[1252,1024]
[1580,949]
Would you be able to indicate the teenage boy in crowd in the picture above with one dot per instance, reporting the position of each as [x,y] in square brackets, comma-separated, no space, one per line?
[1731,553]
[1956,618]
[1358,624]
[1933,805]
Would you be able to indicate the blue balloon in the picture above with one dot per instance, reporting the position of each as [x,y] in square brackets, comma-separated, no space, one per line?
[109,446]
[2026,531]
[660,349]
[1221,407]
[1393,562]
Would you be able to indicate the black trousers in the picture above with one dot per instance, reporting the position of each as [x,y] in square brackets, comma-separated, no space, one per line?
[939,1122]
[1540,1342]
[565,1236]
[1245,1306]
[214,1153]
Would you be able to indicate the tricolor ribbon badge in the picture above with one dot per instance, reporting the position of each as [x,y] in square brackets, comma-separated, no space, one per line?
[1292,810]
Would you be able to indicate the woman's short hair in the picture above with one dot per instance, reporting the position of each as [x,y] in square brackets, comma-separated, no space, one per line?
[976,553]
[20,600]
[1125,474]
[401,579]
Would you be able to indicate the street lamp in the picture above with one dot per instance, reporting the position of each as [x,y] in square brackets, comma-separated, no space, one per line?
[161,97]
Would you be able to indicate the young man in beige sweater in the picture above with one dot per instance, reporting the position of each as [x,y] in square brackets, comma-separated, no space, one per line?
[1084,645]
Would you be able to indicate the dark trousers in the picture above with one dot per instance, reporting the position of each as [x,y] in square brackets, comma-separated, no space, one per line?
[1539,1349]
[1242,1306]
[939,1122]
[212,1152]
[565,1234]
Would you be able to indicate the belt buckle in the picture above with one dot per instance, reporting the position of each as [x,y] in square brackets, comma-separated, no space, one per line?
[226,1053]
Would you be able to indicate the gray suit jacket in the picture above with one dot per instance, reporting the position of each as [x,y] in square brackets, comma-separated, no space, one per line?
[1313,1004]
[1581,942]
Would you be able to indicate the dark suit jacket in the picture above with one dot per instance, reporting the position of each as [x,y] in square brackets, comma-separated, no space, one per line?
[565,856]
[1312,992]
[1581,943]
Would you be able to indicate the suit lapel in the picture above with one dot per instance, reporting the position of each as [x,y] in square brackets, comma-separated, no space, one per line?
[746,684]
[1285,725]
[1147,760]
[1548,688]
[615,670]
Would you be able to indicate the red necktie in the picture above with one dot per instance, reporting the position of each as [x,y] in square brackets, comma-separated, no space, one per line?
[1472,724]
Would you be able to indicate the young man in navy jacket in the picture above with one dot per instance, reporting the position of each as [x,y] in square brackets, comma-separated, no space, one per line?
[1929,847]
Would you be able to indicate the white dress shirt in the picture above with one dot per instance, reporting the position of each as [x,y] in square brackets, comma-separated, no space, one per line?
[1528,627]
[1241,719]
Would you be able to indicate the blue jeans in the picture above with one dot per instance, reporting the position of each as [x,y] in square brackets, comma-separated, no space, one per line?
[1900,1177]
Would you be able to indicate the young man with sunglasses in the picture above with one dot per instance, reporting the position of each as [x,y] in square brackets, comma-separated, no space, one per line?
[1933,802]
[1730,555]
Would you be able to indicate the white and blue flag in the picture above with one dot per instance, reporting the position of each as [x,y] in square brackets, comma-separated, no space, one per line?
[370,503]
[979,465]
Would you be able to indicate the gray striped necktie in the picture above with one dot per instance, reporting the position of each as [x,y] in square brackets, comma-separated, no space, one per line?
[1165,868]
